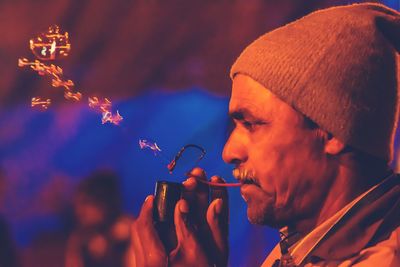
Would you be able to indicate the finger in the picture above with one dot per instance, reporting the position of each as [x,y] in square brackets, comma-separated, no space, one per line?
[189,184]
[189,251]
[143,225]
[197,171]
[180,219]
[199,174]
[146,212]
[218,191]
[197,194]
[221,193]
[218,220]
[213,220]
[218,232]
[144,236]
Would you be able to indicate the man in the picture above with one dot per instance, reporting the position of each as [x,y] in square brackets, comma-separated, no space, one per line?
[315,110]
[102,231]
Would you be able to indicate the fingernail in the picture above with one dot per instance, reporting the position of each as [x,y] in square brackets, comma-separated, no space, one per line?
[218,206]
[215,179]
[191,172]
[190,183]
[184,207]
[147,202]
[197,172]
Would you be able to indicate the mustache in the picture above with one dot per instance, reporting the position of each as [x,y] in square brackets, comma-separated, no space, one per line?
[244,175]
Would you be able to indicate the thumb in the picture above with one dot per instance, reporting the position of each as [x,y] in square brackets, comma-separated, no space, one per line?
[183,234]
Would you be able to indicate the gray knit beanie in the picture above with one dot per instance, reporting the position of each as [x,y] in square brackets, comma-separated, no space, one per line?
[338,67]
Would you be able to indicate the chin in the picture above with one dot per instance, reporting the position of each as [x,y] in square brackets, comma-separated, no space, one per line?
[260,216]
[256,220]
[265,216]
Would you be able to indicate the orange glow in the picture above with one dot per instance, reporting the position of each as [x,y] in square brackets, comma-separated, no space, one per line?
[105,108]
[72,96]
[56,73]
[53,45]
[144,143]
[38,102]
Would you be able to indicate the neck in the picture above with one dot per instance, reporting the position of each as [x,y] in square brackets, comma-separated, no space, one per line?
[347,184]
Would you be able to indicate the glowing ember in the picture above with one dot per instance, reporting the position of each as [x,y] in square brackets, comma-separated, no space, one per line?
[38,102]
[109,117]
[143,143]
[104,107]
[53,45]
[57,77]
[72,96]
[50,46]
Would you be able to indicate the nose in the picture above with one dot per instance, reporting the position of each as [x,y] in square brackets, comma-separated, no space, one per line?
[234,150]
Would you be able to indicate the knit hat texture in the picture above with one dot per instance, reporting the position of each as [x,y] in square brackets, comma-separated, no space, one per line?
[338,67]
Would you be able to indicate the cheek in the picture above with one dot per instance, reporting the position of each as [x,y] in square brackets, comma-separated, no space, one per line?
[287,166]
[270,155]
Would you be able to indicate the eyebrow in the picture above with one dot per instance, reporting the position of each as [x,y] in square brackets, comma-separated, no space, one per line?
[241,114]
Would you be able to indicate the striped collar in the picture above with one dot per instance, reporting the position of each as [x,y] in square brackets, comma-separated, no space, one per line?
[313,243]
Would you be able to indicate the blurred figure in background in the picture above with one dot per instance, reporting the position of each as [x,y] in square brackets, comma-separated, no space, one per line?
[8,252]
[101,234]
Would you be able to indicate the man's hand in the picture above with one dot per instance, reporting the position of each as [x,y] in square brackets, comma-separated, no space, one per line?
[146,248]
[209,221]
[201,228]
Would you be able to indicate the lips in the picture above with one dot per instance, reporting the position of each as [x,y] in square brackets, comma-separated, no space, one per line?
[244,176]
[249,191]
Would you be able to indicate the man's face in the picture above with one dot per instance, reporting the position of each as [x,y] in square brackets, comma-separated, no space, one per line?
[280,158]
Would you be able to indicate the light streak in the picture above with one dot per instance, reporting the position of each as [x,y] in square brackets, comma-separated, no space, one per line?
[144,143]
[53,45]
[104,106]
[44,104]
[50,45]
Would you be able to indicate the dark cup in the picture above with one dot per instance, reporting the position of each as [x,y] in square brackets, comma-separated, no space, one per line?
[167,194]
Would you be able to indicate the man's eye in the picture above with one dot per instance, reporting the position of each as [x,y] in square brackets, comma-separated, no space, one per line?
[248,124]
[251,125]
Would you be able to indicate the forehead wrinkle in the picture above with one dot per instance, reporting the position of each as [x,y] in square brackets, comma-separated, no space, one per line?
[248,106]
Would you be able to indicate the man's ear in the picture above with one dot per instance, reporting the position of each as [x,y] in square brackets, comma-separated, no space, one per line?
[333,146]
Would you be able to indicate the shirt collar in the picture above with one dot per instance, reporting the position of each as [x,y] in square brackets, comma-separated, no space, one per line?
[303,248]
